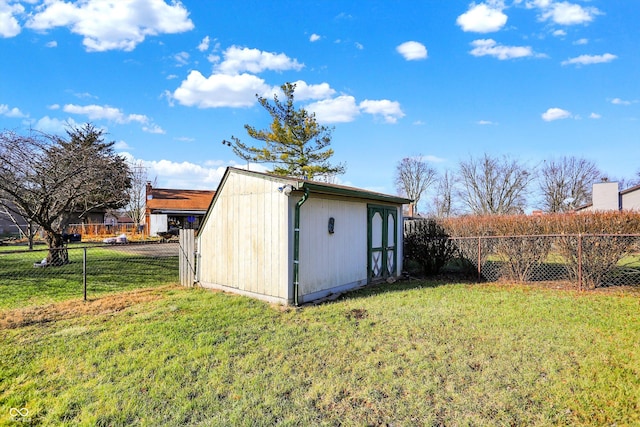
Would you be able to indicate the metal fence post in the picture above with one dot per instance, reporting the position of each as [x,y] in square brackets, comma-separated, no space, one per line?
[479,259]
[580,261]
[84,271]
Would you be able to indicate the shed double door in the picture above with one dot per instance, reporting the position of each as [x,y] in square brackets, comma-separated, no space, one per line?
[382,242]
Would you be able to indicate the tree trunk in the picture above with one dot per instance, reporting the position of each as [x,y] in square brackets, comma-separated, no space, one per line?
[31,234]
[57,251]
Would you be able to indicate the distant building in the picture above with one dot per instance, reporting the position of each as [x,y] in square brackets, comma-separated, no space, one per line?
[607,197]
[171,209]
[8,221]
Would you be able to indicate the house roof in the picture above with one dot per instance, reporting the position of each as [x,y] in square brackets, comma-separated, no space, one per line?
[630,190]
[318,187]
[165,199]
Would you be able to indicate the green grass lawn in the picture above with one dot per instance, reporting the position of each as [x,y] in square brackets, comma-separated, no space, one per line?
[416,353]
[108,270]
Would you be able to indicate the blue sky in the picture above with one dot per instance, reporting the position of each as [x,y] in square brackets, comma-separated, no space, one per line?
[531,79]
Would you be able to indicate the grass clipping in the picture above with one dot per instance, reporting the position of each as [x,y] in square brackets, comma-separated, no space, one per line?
[20,317]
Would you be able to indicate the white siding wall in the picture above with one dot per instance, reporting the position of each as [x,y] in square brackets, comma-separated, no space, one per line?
[605,196]
[245,242]
[332,260]
[157,224]
[631,201]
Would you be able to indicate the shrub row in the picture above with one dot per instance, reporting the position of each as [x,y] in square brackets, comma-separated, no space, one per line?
[588,245]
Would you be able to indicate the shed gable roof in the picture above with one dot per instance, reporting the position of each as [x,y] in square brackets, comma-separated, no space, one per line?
[312,186]
[327,188]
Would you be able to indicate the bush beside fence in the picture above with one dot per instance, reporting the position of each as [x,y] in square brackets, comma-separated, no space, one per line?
[588,250]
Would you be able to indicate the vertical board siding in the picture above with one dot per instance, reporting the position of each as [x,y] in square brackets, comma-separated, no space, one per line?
[187,258]
[331,260]
[241,241]
[400,245]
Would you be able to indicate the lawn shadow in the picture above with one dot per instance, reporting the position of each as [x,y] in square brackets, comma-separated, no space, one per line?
[400,285]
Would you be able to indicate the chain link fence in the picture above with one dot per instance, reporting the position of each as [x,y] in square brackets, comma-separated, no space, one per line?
[91,270]
[587,261]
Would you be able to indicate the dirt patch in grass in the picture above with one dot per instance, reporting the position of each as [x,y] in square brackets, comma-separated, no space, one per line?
[16,318]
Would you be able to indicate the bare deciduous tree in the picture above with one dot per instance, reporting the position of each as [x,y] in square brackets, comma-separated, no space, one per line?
[137,193]
[443,200]
[47,178]
[566,183]
[413,177]
[490,185]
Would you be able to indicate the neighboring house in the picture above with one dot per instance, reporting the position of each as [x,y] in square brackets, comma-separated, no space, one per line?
[8,221]
[93,216]
[169,209]
[117,218]
[291,241]
[607,197]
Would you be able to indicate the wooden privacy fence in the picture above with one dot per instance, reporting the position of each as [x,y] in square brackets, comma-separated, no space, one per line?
[187,258]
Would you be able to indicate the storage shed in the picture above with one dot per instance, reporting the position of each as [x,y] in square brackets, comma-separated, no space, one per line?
[292,241]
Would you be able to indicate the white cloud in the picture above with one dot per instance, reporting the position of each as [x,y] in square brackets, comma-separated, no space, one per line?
[204,44]
[314,37]
[618,101]
[485,122]
[581,42]
[190,175]
[590,59]
[14,112]
[186,175]
[559,33]
[121,145]
[483,18]
[182,58]
[184,139]
[100,112]
[54,126]
[9,26]
[153,128]
[489,47]
[434,159]
[237,60]
[219,90]
[112,24]
[359,46]
[412,51]
[52,43]
[555,114]
[563,12]
[595,116]
[306,91]
[342,109]
[390,110]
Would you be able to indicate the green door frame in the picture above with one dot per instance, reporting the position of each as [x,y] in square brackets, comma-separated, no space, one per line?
[378,267]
